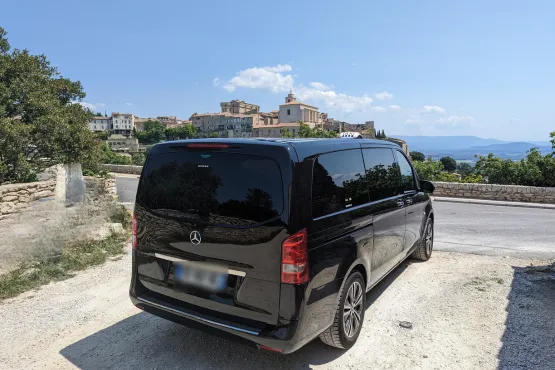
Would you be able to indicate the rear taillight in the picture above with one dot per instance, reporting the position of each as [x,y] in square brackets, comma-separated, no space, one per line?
[294,259]
[134,233]
[207,146]
[269,349]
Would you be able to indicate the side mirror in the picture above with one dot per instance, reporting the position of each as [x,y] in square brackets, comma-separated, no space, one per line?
[427,186]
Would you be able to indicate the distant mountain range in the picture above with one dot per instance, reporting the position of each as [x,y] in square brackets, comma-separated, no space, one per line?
[465,147]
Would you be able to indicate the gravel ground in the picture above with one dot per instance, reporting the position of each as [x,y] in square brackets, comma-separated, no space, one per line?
[467,312]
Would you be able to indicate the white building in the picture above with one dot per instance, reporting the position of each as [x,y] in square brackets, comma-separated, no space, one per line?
[100,123]
[295,111]
[123,123]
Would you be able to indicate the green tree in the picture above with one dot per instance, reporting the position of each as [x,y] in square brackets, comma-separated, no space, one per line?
[101,135]
[138,159]
[449,164]
[286,133]
[428,169]
[154,132]
[110,157]
[465,169]
[552,136]
[40,122]
[417,156]
[497,170]
[180,132]
[306,132]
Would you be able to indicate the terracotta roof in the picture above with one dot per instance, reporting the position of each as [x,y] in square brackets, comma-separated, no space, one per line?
[299,103]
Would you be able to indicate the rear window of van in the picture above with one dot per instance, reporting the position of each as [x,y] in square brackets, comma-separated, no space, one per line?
[212,187]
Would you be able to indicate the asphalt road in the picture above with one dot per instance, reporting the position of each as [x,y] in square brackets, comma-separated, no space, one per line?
[463,228]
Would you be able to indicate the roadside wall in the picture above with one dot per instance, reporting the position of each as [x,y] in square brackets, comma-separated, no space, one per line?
[514,193]
[117,168]
[14,198]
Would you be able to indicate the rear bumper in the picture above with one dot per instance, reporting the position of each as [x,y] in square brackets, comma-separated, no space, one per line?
[284,338]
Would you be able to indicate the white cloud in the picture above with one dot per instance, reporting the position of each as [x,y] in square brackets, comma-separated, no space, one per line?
[394,108]
[100,105]
[379,109]
[129,104]
[277,80]
[334,100]
[384,96]
[319,86]
[266,78]
[432,109]
[455,119]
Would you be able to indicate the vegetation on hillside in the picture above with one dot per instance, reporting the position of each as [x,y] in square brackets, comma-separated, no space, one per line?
[306,132]
[417,156]
[533,170]
[40,122]
[155,132]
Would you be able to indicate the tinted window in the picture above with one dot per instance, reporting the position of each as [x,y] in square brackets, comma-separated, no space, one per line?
[407,178]
[338,182]
[218,188]
[382,174]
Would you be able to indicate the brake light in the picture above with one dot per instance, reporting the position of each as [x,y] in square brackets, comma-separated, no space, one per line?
[269,349]
[134,232]
[294,259]
[207,146]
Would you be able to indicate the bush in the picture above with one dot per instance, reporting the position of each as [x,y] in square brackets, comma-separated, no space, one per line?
[40,122]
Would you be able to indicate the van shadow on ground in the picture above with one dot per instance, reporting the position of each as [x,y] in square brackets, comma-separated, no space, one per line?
[529,338]
[145,341]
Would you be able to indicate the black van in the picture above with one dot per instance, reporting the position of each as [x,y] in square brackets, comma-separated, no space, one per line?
[274,241]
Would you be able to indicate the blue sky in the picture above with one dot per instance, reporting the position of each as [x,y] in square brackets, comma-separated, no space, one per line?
[484,68]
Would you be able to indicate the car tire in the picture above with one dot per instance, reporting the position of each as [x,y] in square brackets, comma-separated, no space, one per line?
[349,318]
[424,250]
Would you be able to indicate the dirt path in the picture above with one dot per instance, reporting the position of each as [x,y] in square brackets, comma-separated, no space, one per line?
[467,311]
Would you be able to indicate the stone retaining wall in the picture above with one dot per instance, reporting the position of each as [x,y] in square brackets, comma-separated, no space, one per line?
[512,193]
[97,187]
[118,168]
[16,197]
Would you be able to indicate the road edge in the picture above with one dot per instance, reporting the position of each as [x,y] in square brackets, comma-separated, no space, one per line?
[494,202]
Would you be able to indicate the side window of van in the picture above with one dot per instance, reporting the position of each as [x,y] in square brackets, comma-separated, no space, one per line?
[407,177]
[338,182]
[381,173]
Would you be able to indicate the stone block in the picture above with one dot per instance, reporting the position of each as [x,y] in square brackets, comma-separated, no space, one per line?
[10,197]
[24,198]
[43,194]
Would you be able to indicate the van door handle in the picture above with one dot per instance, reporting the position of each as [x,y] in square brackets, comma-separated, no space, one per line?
[400,203]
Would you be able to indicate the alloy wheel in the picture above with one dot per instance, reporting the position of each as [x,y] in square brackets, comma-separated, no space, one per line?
[429,238]
[352,309]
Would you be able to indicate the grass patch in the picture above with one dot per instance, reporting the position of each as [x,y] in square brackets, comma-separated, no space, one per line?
[74,257]
[119,214]
[482,283]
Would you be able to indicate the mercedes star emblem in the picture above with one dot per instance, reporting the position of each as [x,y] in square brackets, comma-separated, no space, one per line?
[195,237]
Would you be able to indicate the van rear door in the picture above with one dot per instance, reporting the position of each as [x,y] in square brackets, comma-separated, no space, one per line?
[221,206]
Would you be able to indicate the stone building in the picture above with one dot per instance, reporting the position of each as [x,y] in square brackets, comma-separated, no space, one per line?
[295,111]
[123,144]
[224,124]
[100,123]
[239,107]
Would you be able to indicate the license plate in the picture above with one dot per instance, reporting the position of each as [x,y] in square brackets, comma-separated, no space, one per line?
[202,278]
